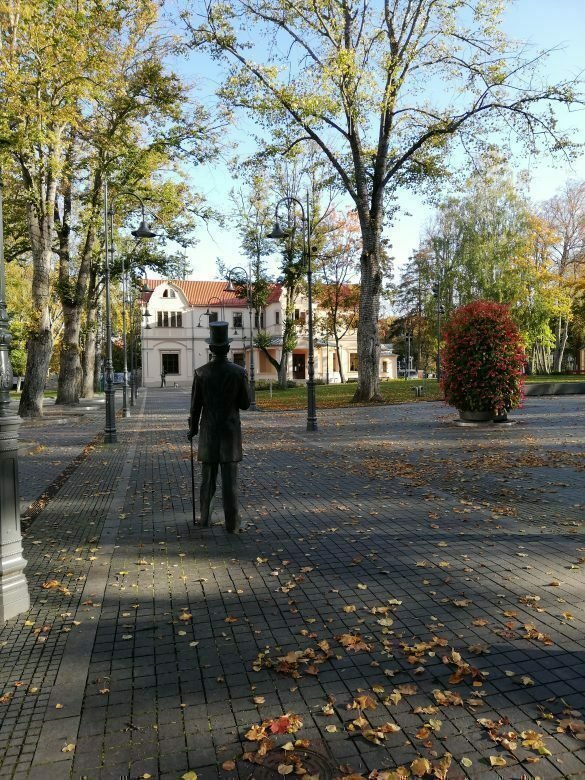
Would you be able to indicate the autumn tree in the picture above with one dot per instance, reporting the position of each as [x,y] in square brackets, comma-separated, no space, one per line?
[336,267]
[109,109]
[277,177]
[413,298]
[360,82]
[45,58]
[252,213]
[563,234]
[488,242]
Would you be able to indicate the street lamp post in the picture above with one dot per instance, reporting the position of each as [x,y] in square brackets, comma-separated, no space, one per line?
[14,596]
[278,233]
[110,434]
[408,338]
[133,346]
[230,288]
[143,231]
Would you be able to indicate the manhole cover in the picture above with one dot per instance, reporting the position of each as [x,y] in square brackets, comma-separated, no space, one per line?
[313,762]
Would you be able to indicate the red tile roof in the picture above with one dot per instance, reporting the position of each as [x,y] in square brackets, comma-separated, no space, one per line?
[204,293]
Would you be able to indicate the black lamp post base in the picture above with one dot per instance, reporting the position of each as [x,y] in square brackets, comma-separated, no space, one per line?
[110,434]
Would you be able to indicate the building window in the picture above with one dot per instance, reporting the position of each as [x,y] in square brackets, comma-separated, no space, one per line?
[172,319]
[259,320]
[300,316]
[335,362]
[170,362]
[384,366]
[277,317]
[213,317]
[240,359]
[165,294]
[172,294]
[238,319]
[353,361]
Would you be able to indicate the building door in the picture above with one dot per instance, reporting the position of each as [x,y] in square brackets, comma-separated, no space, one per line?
[170,362]
[299,365]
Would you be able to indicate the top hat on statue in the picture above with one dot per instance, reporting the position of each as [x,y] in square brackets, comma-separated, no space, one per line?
[218,335]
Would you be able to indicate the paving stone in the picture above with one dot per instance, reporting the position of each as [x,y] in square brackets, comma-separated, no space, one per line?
[366,500]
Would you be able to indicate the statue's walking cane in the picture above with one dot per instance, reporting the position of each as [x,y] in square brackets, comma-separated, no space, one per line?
[193,484]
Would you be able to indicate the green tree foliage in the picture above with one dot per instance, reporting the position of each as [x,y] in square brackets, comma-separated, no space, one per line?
[89,98]
[489,243]
[383,91]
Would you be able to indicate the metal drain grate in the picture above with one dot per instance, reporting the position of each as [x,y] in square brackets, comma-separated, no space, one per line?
[314,762]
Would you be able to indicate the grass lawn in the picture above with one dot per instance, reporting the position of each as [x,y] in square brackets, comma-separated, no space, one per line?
[395,391]
[330,396]
[556,378]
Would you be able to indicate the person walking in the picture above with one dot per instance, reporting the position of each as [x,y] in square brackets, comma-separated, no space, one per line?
[163,378]
[220,389]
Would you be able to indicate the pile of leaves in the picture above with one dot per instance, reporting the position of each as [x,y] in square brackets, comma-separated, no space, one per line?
[263,734]
[509,740]
[295,661]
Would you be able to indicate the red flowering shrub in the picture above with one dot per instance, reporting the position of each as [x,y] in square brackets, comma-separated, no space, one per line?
[482,359]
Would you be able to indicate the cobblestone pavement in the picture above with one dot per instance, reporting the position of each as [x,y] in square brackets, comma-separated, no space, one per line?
[48,446]
[409,591]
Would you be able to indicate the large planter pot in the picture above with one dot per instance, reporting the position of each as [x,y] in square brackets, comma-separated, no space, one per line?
[483,416]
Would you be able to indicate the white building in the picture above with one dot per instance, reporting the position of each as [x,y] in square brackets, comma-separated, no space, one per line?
[177,323]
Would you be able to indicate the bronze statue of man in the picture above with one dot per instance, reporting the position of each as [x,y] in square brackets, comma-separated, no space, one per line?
[220,390]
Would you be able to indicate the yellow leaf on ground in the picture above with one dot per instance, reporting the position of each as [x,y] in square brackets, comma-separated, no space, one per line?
[420,767]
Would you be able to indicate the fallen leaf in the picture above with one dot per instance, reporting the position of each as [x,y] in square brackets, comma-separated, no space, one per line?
[68,748]
[228,765]
[497,761]
[420,767]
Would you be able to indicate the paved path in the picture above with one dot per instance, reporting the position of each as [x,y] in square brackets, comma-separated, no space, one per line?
[430,576]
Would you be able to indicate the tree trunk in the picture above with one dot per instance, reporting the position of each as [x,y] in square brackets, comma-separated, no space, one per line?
[368,388]
[283,370]
[69,385]
[89,354]
[40,341]
[561,338]
[339,363]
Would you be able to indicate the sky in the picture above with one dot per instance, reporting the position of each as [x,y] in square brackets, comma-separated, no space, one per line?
[559,25]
